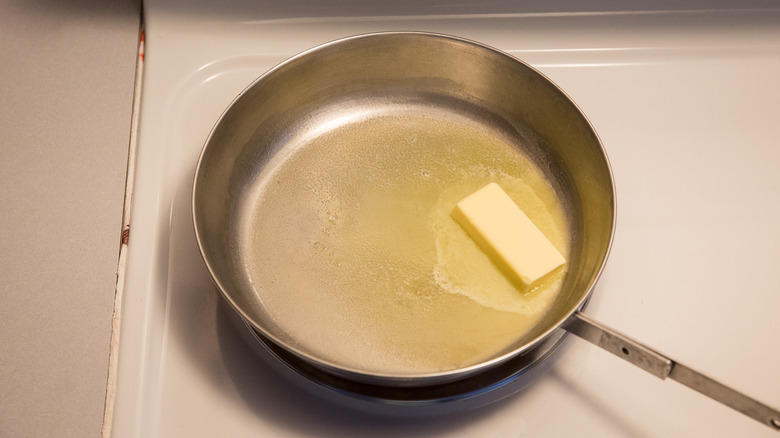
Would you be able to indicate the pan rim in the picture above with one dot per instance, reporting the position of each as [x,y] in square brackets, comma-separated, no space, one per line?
[410,379]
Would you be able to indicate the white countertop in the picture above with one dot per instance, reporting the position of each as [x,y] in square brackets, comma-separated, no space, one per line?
[66,84]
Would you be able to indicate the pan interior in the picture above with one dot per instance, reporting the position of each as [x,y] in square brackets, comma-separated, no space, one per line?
[350,251]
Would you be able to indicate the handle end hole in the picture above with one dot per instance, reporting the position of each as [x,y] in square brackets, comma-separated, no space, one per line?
[626,352]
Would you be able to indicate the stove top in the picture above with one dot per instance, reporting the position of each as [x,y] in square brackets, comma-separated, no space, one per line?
[686,103]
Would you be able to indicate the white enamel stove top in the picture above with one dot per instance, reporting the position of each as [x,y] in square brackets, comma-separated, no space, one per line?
[687,105]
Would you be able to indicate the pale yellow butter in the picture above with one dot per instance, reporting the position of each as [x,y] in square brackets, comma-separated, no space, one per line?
[508,236]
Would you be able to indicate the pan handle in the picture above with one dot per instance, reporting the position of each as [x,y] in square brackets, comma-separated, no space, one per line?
[661,366]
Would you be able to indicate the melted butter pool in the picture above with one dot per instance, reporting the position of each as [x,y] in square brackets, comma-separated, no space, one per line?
[356,259]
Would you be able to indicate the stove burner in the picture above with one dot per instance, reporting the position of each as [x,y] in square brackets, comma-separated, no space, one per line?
[474,391]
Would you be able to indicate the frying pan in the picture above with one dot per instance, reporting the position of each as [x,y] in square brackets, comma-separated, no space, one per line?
[263,176]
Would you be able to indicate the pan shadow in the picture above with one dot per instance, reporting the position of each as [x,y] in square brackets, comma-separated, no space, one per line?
[278,394]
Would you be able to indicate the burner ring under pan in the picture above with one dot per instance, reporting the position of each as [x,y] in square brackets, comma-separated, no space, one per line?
[470,392]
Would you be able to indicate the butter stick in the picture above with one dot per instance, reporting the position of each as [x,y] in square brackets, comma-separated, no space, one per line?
[508,237]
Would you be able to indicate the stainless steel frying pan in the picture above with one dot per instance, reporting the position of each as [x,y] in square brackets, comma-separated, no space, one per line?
[331,97]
